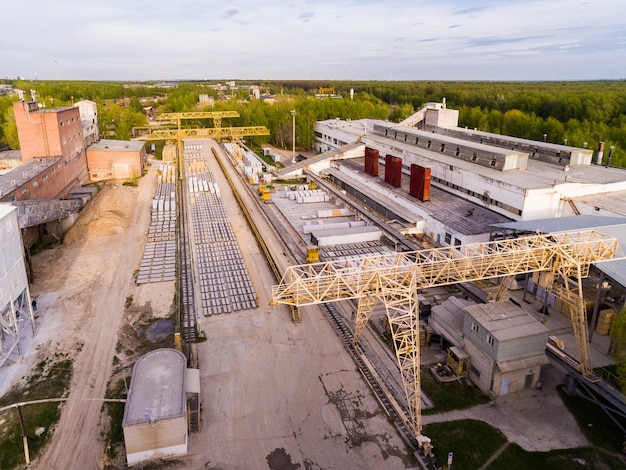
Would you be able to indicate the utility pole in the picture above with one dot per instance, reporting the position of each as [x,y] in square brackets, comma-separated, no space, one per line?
[293,152]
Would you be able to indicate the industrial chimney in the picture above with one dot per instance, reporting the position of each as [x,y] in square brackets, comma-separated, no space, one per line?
[608,160]
[600,153]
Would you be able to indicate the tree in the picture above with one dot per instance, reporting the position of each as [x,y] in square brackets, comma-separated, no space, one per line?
[618,350]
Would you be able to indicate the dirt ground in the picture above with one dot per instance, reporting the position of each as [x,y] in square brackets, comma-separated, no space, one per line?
[81,289]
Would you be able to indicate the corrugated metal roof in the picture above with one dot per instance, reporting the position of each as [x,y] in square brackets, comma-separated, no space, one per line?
[505,321]
[11,155]
[157,388]
[562,224]
[611,226]
[448,317]
[15,178]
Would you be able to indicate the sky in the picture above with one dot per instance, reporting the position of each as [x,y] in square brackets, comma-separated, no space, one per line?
[125,40]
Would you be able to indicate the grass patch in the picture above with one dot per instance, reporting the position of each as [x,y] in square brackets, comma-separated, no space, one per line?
[595,424]
[473,442]
[50,379]
[133,182]
[457,395]
[114,436]
[588,458]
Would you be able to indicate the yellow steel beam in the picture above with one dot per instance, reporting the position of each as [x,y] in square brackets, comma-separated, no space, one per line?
[196,115]
[352,279]
[215,115]
[211,133]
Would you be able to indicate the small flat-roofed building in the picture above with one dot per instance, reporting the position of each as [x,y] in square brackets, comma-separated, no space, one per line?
[115,159]
[155,415]
[506,345]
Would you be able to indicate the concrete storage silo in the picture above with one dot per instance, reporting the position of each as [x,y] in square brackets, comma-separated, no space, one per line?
[15,301]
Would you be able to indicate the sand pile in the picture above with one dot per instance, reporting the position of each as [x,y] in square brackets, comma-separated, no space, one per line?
[108,214]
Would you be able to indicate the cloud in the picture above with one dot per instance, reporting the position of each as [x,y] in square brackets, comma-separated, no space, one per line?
[230,13]
[306,16]
[366,39]
[470,11]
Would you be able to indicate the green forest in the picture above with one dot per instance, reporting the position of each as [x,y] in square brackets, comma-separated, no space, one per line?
[578,113]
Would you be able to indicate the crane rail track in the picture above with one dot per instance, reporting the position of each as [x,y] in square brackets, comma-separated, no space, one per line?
[346,336]
[185,276]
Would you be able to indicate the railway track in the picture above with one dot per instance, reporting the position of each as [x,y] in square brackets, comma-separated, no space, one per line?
[186,302]
[388,403]
[383,397]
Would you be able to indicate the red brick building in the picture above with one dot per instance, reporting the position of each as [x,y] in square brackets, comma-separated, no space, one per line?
[49,133]
[116,159]
[40,178]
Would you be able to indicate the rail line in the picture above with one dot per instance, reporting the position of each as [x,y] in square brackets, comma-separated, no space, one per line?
[186,302]
[388,403]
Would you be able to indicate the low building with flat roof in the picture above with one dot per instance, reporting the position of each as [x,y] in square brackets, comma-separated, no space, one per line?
[155,415]
[506,345]
[116,159]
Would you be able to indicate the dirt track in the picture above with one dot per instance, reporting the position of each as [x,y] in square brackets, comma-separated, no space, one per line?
[82,287]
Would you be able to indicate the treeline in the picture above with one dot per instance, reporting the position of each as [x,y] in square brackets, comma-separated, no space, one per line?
[578,113]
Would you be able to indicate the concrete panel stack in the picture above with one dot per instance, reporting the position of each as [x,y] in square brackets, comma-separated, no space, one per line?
[159,258]
[225,285]
[334,213]
[252,165]
[309,196]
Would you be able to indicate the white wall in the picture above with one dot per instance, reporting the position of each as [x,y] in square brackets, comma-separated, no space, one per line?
[13,279]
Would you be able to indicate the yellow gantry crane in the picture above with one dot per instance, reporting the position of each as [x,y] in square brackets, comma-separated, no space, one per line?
[216,132]
[395,280]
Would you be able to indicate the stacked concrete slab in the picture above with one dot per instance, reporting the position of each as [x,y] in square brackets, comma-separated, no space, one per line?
[159,259]
[223,279]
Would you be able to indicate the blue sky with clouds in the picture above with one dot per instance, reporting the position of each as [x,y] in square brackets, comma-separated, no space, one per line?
[321,39]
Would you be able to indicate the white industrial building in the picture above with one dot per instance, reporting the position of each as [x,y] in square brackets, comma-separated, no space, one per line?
[516,179]
[155,415]
[15,302]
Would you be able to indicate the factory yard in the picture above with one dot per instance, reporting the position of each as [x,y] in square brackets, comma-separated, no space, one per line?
[275,394]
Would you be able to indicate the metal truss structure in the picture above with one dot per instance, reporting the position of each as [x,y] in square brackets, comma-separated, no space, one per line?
[395,280]
[215,115]
[217,132]
[12,316]
[208,133]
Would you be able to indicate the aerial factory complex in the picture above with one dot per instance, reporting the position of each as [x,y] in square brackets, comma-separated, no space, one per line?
[486,258]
